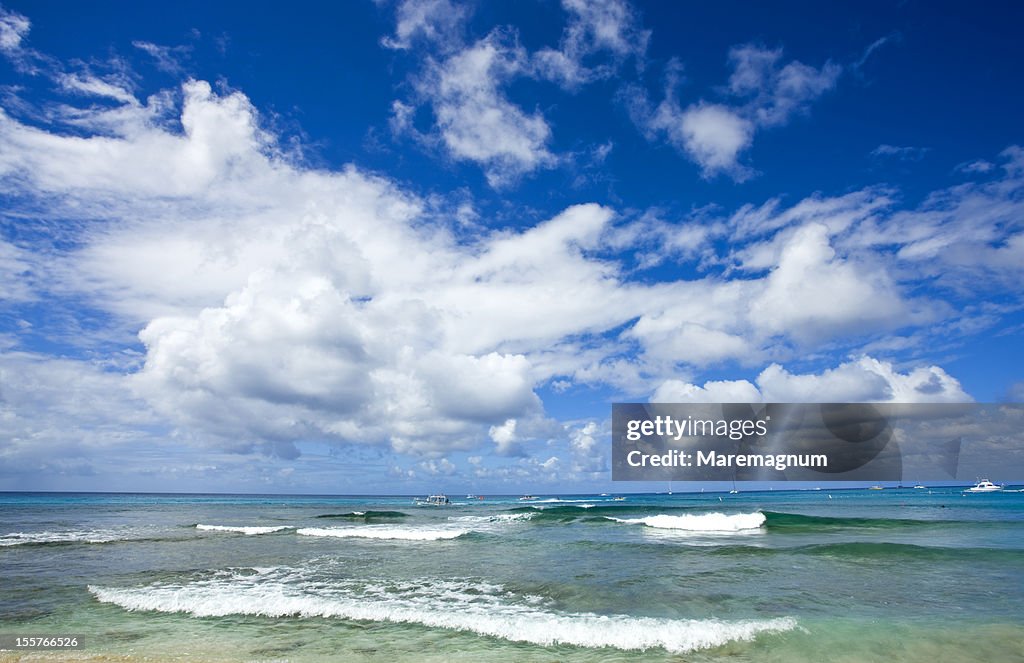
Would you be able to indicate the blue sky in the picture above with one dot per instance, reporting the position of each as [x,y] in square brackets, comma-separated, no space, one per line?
[409,246]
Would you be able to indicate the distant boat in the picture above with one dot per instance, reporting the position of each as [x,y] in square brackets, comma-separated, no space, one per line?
[984,486]
[433,500]
[920,487]
[527,498]
[618,499]
[876,488]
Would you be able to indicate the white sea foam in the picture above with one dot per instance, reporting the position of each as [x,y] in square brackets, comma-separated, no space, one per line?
[479,608]
[71,536]
[382,532]
[248,531]
[704,522]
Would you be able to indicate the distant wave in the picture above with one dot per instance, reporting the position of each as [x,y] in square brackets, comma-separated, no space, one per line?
[366,515]
[566,512]
[800,522]
[583,504]
[248,531]
[495,518]
[909,551]
[463,606]
[73,536]
[704,522]
[775,521]
[379,532]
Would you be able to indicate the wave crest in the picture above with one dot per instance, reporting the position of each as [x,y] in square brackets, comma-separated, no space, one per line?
[248,531]
[72,536]
[462,606]
[391,533]
[704,522]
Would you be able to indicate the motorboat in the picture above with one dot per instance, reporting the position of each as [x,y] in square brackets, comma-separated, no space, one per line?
[527,498]
[433,500]
[984,486]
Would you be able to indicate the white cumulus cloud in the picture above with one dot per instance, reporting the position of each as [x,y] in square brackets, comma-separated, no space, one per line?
[865,380]
[475,119]
[762,94]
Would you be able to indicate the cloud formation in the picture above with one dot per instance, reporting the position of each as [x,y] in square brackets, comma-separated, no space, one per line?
[435,21]
[762,93]
[865,380]
[476,121]
[234,297]
[13,28]
[465,84]
[598,27]
[279,303]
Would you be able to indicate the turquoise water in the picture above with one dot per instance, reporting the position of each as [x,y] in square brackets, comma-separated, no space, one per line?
[904,575]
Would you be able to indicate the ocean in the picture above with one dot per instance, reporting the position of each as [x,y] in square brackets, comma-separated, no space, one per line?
[822,575]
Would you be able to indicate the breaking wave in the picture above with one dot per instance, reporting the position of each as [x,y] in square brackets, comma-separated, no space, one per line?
[248,531]
[379,532]
[495,518]
[704,522]
[480,608]
[73,536]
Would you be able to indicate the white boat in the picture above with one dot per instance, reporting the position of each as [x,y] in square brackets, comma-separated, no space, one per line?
[433,500]
[984,486]
[527,498]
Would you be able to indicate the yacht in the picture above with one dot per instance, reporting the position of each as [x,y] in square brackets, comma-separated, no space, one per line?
[984,486]
[527,498]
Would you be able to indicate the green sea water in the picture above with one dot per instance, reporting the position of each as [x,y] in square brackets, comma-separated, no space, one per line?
[893,575]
